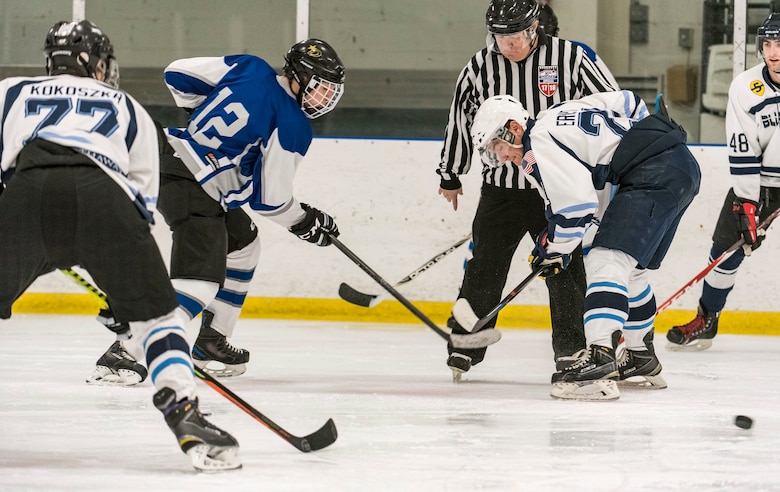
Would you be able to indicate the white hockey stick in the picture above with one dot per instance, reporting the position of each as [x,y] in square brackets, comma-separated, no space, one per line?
[472,340]
[467,318]
[370,300]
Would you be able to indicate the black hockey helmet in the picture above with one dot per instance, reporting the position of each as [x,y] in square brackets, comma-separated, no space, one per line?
[511,16]
[770,29]
[80,48]
[548,20]
[314,64]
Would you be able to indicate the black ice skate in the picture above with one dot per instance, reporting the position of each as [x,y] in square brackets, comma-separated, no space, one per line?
[591,377]
[641,368]
[212,346]
[695,335]
[117,368]
[459,364]
[209,447]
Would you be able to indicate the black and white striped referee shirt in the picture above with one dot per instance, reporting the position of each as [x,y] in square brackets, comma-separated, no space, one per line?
[557,70]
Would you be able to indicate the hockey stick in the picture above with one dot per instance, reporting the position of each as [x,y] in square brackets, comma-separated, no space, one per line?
[660,106]
[465,316]
[370,300]
[96,293]
[717,261]
[473,340]
[319,439]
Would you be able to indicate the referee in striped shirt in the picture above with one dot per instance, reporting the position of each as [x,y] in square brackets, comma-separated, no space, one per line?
[540,71]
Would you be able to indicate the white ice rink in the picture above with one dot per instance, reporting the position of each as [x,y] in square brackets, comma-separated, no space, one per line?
[403,424]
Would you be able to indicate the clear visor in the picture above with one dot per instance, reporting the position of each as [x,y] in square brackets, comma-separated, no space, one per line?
[520,38]
[320,97]
[500,147]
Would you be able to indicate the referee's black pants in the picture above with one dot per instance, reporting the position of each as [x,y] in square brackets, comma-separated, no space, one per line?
[502,219]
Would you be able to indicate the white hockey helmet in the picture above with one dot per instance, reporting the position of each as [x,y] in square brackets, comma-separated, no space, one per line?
[491,123]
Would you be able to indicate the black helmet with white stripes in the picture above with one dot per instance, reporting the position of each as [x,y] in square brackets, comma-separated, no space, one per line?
[511,16]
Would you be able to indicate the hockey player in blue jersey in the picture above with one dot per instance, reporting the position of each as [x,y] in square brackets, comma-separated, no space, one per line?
[248,130]
[80,167]
[618,181]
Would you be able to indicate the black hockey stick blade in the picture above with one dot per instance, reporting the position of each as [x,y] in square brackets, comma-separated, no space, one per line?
[358,298]
[362,299]
[319,439]
[472,340]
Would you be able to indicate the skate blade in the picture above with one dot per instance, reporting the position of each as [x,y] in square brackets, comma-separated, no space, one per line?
[694,346]
[643,382]
[103,376]
[220,460]
[220,370]
[457,374]
[598,390]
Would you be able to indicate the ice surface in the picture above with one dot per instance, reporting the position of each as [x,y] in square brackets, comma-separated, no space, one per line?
[403,424]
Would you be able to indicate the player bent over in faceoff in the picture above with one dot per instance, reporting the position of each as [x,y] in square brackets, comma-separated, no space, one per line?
[81,178]
[618,181]
[248,131]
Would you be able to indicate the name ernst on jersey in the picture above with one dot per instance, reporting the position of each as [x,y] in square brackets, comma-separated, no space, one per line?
[60,90]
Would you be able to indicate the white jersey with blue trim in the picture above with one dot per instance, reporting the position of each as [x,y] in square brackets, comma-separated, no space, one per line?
[571,147]
[105,124]
[753,132]
[246,135]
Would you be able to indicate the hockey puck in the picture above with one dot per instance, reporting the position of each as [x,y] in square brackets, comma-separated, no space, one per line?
[743,422]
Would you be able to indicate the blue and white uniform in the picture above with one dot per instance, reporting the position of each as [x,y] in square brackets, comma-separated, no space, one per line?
[61,136]
[246,135]
[105,124]
[617,180]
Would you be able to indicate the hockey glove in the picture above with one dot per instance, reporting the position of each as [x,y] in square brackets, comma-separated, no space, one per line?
[746,214]
[122,330]
[540,257]
[316,227]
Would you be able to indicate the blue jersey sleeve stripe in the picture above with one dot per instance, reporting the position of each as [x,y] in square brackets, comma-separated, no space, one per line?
[187,84]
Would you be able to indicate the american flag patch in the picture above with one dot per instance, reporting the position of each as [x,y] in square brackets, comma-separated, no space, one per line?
[528,162]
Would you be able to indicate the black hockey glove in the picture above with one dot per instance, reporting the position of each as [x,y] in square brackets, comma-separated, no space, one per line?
[316,227]
[746,214]
[553,262]
[122,330]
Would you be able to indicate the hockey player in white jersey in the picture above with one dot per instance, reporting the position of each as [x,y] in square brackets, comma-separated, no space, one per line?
[753,142]
[248,131]
[618,181]
[79,170]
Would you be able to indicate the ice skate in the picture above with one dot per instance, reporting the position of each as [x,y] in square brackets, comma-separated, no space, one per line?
[696,335]
[213,354]
[459,364]
[209,447]
[642,369]
[591,377]
[117,368]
